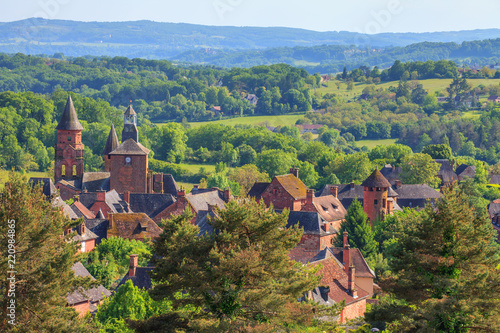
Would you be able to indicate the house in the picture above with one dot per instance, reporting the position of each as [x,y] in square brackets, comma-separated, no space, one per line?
[314,128]
[317,233]
[130,226]
[464,170]
[106,202]
[286,191]
[85,237]
[99,226]
[375,196]
[446,173]
[494,213]
[138,275]
[251,98]
[84,301]
[346,277]
[391,173]
[494,99]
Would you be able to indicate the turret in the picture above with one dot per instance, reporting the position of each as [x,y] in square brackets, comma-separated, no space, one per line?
[69,147]
[375,193]
[130,125]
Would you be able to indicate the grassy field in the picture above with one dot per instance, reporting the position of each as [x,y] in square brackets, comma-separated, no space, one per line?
[196,167]
[373,143]
[284,120]
[431,85]
[4,176]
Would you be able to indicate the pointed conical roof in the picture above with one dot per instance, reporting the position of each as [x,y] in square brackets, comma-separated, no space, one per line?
[376,179]
[69,120]
[100,215]
[130,111]
[112,141]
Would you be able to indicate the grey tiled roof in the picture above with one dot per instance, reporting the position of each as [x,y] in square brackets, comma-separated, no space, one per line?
[68,212]
[201,201]
[446,172]
[257,190]
[376,179]
[95,181]
[130,147]
[141,279]
[74,183]
[47,185]
[310,221]
[69,120]
[150,203]
[93,295]
[99,227]
[170,185]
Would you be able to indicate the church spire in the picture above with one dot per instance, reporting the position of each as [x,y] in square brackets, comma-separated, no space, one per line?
[129,127]
[69,120]
[111,142]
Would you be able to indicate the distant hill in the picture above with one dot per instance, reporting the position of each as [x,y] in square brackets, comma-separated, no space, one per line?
[154,40]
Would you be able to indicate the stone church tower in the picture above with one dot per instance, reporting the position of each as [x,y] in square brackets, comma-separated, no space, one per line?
[69,147]
[111,144]
[375,191]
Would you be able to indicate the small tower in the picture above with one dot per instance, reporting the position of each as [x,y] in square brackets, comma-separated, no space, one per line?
[69,147]
[130,125]
[111,144]
[375,191]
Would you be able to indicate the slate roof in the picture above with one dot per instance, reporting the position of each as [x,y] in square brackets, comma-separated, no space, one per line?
[68,212]
[74,183]
[391,193]
[69,120]
[257,190]
[88,234]
[47,185]
[202,222]
[112,142]
[95,181]
[136,226]
[376,179]
[82,211]
[99,227]
[357,259]
[150,203]
[312,222]
[130,147]
[329,207]
[170,185]
[141,279]
[130,111]
[200,201]
[391,173]
[495,179]
[93,295]
[301,254]
[465,170]
[446,172]
[415,195]
[293,185]
[113,200]
[493,209]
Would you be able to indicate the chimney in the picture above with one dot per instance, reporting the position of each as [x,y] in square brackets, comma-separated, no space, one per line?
[181,194]
[309,197]
[393,168]
[101,196]
[352,185]
[295,171]
[334,190]
[346,253]
[81,229]
[134,260]
[397,183]
[227,194]
[351,282]
[126,196]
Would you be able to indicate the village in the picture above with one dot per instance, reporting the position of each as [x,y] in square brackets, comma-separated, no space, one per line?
[127,200]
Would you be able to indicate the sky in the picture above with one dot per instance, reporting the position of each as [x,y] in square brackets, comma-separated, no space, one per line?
[365,16]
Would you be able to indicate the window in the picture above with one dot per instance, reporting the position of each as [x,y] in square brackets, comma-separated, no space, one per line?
[371,189]
[63,170]
[74,170]
[375,201]
[69,138]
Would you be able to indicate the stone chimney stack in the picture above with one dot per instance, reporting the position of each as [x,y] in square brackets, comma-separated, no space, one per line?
[81,229]
[334,190]
[126,196]
[134,262]
[295,171]
[397,183]
[181,194]
[351,281]
[101,196]
[346,253]
[309,197]
[351,185]
[227,194]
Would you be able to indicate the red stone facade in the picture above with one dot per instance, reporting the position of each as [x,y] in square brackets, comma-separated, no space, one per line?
[69,155]
[316,242]
[353,310]
[276,195]
[130,176]
[177,208]
[66,192]
[82,308]
[375,202]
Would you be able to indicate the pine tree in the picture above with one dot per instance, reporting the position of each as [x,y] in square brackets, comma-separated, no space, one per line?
[446,263]
[42,262]
[241,275]
[361,235]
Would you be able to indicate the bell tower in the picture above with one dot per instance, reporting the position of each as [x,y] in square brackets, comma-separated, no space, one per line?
[130,125]
[69,147]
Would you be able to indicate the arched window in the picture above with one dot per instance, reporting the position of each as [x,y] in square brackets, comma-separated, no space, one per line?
[63,170]
[74,170]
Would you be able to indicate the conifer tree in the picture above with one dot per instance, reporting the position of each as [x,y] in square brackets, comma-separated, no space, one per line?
[239,276]
[446,264]
[360,232]
[42,262]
